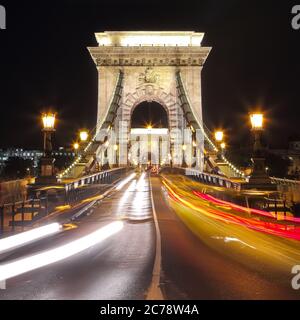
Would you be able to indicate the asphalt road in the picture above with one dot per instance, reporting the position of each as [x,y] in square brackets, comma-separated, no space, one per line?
[120,267]
[192,269]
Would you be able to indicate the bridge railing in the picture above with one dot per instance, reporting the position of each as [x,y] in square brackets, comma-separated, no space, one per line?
[45,200]
[83,186]
[275,202]
[283,181]
[216,180]
[19,213]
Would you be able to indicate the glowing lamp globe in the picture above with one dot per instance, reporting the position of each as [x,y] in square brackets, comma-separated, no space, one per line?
[257,121]
[48,121]
[219,136]
[83,136]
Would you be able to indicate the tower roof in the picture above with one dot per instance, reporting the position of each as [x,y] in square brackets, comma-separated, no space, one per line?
[149,38]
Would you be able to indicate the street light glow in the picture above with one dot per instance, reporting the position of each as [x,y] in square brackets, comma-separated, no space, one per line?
[48,121]
[256,121]
[76,145]
[83,136]
[219,136]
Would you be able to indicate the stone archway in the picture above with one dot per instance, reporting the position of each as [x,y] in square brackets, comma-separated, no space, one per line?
[149,113]
[151,92]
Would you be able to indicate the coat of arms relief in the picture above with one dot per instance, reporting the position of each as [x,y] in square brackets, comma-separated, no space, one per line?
[148,77]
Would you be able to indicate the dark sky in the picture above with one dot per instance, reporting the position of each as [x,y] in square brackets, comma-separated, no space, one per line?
[255,61]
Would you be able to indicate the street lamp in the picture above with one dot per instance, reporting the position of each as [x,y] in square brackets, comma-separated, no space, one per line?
[256,120]
[76,147]
[259,179]
[219,136]
[48,128]
[47,174]
[83,136]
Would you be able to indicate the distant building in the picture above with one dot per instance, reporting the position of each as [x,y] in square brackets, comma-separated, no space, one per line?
[293,155]
[33,155]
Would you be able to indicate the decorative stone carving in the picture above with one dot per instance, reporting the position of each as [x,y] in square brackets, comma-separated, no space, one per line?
[149,76]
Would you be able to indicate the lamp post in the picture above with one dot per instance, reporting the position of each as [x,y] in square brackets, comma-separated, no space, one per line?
[219,135]
[259,178]
[47,174]
[83,135]
[76,148]
[223,147]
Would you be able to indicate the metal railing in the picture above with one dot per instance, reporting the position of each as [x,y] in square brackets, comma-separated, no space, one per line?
[283,181]
[43,201]
[216,180]
[81,187]
[274,201]
[19,212]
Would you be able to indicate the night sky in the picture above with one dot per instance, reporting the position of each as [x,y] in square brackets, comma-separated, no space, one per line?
[255,62]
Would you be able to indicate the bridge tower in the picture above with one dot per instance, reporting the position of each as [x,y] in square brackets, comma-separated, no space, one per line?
[161,67]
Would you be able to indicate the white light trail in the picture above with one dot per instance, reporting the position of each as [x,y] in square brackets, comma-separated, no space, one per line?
[141,182]
[28,236]
[126,195]
[45,258]
[125,181]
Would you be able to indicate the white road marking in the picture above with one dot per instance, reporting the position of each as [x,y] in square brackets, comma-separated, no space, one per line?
[154,292]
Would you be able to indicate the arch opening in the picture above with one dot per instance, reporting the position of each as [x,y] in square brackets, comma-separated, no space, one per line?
[149,134]
[149,114]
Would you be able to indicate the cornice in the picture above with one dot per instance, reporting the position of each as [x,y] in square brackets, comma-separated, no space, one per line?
[149,56]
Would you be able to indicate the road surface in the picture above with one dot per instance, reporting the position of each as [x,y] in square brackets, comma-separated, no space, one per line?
[193,266]
[204,268]
[118,268]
